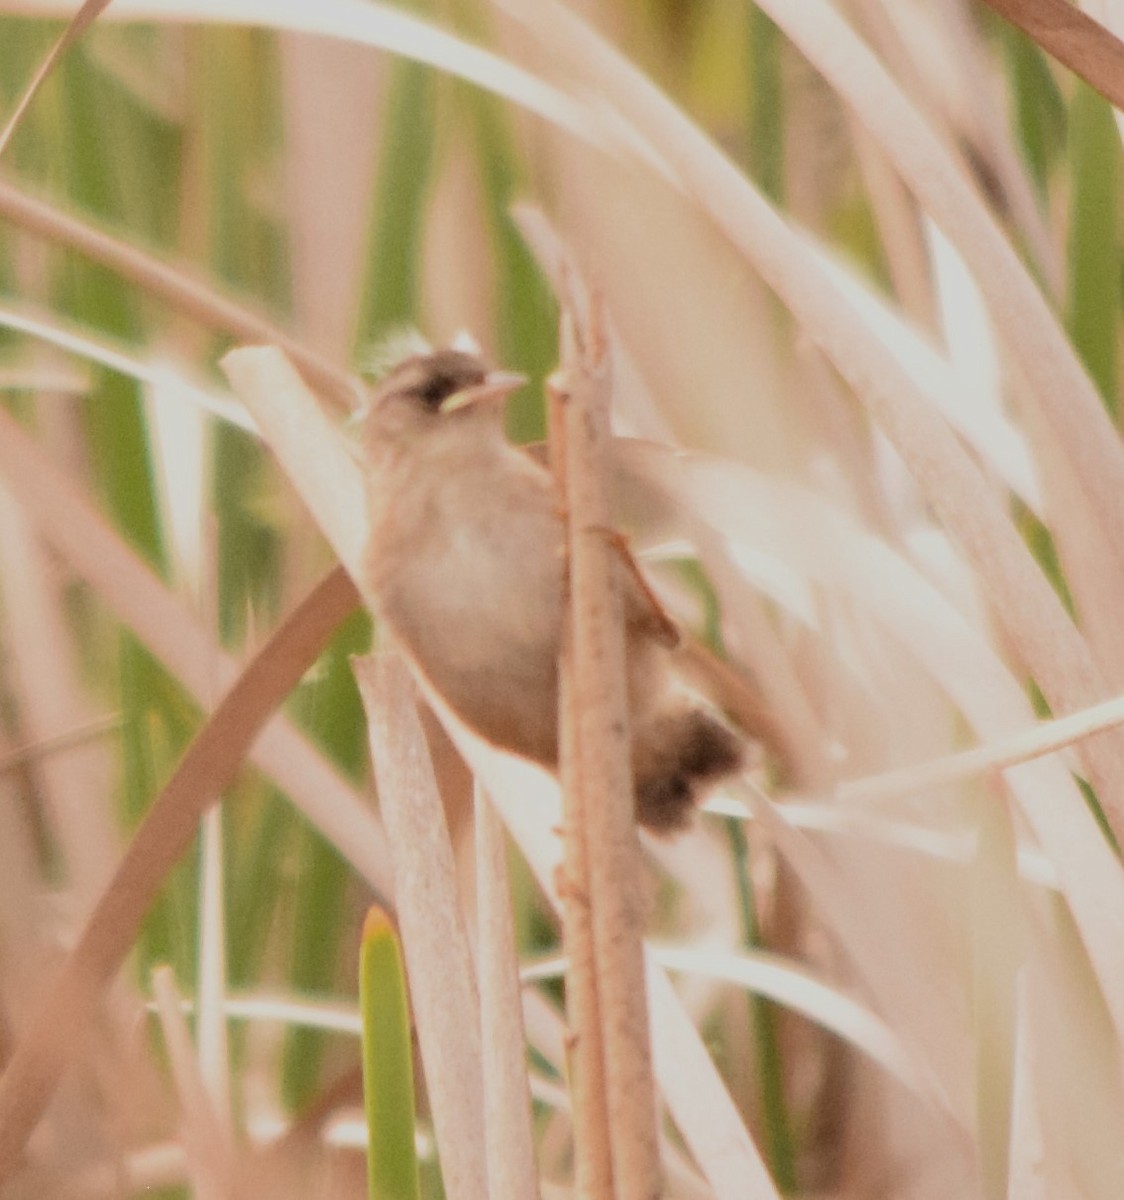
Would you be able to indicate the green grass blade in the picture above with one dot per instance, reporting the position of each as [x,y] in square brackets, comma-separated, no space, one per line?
[400,201]
[1094,243]
[766,111]
[388,1072]
[526,316]
[780,1147]
[1038,110]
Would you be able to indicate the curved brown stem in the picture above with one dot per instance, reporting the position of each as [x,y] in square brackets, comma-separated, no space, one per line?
[209,765]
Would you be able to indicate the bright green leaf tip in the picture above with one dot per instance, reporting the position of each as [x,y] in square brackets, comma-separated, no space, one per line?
[376,924]
[388,1073]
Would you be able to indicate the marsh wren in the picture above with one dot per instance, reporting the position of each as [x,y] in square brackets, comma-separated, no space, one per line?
[466,562]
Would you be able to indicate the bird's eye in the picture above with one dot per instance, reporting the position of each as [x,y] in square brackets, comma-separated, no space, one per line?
[437,389]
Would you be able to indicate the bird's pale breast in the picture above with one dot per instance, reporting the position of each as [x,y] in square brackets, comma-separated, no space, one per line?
[475,593]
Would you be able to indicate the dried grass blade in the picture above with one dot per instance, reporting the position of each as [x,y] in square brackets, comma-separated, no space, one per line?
[434,938]
[998,950]
[209,765]
[959,658]
[1047,737]
[971,405]
[793,985]
[706,1115]
[150,374]
[1027,1171]
[324,177]
[44,748]
[210,1027]
[507,1098]
[1033,336]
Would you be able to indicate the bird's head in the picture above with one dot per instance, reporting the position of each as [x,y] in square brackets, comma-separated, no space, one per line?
[430,396]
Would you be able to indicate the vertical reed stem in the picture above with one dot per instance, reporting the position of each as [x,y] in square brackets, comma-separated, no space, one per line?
[600,825]
[593,1162]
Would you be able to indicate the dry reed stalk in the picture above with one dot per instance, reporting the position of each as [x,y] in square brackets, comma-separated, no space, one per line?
[82,19]
[507,1094]
[1073,38]
[175,285]
[434,940]
[593,661]
[593,1160]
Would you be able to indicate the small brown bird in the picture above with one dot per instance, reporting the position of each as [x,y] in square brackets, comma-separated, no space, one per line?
[466,563]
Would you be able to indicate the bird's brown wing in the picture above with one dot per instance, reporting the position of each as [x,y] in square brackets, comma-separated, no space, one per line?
[642,608]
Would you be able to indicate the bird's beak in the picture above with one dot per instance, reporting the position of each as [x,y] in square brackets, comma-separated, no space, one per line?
[497,386]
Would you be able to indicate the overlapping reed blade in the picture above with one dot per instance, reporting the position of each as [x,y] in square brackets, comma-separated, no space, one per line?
[1042,633]
[434,939]
[826,546]
[168,628]
[1075,439]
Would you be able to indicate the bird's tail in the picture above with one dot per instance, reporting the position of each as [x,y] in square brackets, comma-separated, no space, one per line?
[677,758]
